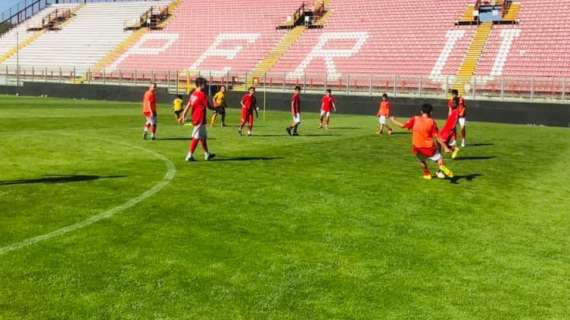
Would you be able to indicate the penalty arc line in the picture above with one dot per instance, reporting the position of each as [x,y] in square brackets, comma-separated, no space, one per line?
[166,179]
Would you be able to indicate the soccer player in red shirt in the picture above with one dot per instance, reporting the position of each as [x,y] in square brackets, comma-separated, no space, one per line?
[384,111]
[425,142]
[149,112]
[198,105]
[448,133]
[293,130]
[462,113]
[328,104]
[248,106]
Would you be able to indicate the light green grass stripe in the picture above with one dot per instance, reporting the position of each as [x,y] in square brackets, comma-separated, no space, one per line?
[168,177]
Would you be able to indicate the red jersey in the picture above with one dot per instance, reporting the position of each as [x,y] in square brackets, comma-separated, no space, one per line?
[296,103]
[199,103]
[249,102]
[424,129]
[461,107]
[448,131]
[149,102]
[327,103]
[384,109]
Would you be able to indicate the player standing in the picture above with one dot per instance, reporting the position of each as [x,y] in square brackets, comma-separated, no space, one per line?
[219,106]
[198,104]
[293,130]
[248,106]
[149,111]
[178,106]
[328,104]
[424,142]
[448,133]
[462,113]
[383,114]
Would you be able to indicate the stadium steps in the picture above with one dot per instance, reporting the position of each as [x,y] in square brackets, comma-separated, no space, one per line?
[468,15]
[273,57]
[513,13]
[129,42]
[31,38]
[471,60]
[282,47]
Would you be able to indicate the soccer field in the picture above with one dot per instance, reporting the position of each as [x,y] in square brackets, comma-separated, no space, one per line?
[96,223]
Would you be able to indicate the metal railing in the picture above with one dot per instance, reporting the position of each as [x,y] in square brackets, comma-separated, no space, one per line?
[505,88]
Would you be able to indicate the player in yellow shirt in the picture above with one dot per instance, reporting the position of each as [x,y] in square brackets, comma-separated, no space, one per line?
[219,107]
[178,106]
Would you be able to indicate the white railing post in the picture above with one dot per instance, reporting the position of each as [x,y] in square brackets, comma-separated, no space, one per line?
[563,88]
[348,85]
[532,89]
[395,89]
[264,94]
[370,86]
[420,81]
[502,88]
[474,88]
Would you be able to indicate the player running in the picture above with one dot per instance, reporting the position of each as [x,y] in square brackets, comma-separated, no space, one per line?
[178,106]
[293,130]
[248,106]
[448,133]
[462,113]
[383,115]
[219,107]
[424,138]
[328,104]
[149,112]
[198,104]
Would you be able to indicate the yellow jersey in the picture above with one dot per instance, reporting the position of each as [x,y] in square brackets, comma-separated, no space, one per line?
[177,105]
[220,99]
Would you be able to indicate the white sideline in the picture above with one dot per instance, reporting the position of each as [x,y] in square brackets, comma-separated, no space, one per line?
[168,176]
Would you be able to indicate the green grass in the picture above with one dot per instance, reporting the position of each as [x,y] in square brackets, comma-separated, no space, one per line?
[329,225]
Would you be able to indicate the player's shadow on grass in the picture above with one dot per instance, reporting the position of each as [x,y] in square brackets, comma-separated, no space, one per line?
[57,179]
[180,139]
[470,177]
[237,159]
[344,128]
[481,145]
[475,158]
[285,135]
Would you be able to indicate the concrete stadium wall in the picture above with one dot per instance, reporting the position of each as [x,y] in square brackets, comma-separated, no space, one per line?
[485,111]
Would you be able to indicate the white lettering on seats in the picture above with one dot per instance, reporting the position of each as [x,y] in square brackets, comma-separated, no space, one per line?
[230,54]
[139,48]
[452,37]
[328,55]
[508,36]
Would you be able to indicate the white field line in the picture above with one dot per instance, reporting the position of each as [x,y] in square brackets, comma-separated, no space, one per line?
[168,176]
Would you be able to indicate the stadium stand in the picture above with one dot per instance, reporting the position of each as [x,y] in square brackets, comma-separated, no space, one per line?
[9,40]
[96,29]
[356,41]
[221,35]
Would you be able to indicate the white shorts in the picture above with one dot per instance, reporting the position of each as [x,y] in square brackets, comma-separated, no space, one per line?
[462,121]
[325,113]
[199,132]
[150,120]
[382,120]
[435,158]
[297,118]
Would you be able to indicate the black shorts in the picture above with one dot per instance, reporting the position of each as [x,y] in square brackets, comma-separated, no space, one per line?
[220,110]
[178,113]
